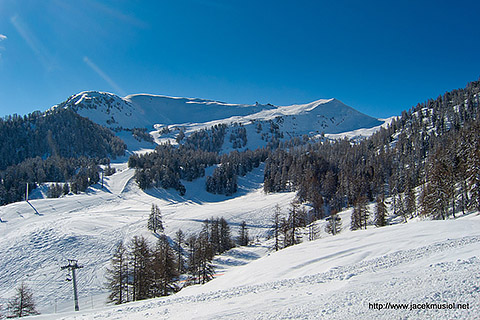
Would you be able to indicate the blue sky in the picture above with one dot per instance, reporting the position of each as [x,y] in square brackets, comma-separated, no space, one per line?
[380,57]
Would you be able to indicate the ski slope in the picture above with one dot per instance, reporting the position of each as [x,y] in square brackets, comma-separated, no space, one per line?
[339,277]
[87,226]
[334,277]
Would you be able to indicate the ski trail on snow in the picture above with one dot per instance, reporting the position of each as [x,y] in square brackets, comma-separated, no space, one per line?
[302,285]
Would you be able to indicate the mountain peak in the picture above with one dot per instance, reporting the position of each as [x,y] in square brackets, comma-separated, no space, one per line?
[147,110]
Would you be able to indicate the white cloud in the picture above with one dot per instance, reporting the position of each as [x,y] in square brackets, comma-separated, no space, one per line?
[37,47]
[103,75]
[2,48]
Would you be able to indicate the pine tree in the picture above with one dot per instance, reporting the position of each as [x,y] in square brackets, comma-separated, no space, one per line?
[355,220]
[294,222]
[318,203]
[205,254]
[155,219]
[360,214]
[334,223]
[140,258]
[285,230]
[276,226]
[164,268]
[226,242]
[438,185]
[402,207]
[243,238]
[394,208]
[117,275]
[426,201]
[192,262]
[200,256]
[410,201]
[215,235]
[473,167]
[312,231]
[380,212]
[463,165]
[180,136]
[22,304]
[65,189]
[54,191]
[179,240]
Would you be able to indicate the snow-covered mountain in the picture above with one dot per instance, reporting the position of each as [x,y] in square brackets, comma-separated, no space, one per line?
[145,111]
[163,117]
[333,277]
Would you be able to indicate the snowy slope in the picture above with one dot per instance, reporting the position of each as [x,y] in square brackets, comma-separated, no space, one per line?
[262,122]
[339,277]
[333,277]
[87,226]
[359,134]
[329,116]
[145,111]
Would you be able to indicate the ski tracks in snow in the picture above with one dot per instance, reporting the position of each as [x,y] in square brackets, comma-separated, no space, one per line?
[327,296]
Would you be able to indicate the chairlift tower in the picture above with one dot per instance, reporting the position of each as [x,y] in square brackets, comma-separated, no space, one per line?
[72,266]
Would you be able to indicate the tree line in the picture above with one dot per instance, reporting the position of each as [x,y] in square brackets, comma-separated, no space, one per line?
[139,270]
[77,174]
[224,177]
[287,229]
[238,136]
[55,146]
[168,164]
[426,161]
[58,132]
[209,140]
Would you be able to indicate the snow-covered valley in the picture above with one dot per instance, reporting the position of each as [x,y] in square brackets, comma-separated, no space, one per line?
[420,269]
[87,227]
[334,277]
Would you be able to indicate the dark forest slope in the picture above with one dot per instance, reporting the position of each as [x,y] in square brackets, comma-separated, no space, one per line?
[57,145]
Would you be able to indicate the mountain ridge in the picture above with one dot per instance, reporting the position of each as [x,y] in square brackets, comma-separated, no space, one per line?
[147,110]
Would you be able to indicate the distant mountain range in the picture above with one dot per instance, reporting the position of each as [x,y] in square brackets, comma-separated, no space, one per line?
[154,111]
[79,127]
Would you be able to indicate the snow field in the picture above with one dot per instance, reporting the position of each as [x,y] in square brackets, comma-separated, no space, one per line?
[86,227]
[423,262]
